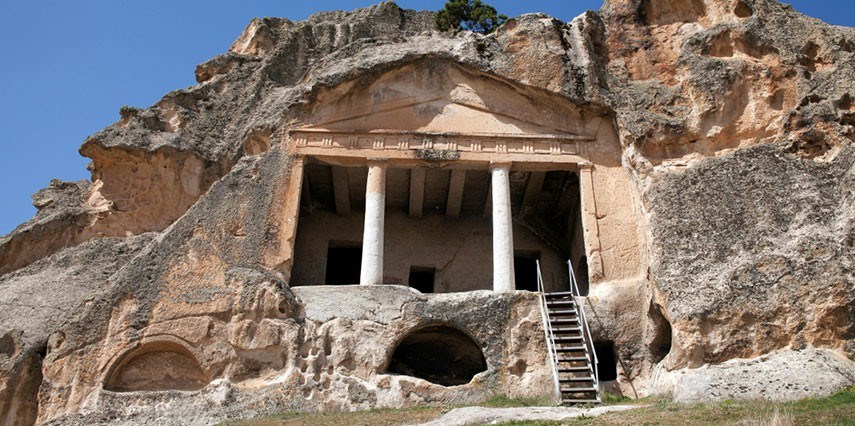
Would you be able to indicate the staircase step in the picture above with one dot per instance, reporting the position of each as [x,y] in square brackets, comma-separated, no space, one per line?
[572,359]
[571,349]
[579,401]
[556,321]
[557,330]
[576,379]
[562,312]
[560,339]
[574,369]
[558,294]
[560,302]
[578,390]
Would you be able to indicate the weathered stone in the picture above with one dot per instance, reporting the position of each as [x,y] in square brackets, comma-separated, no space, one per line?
[777,376]
[709,142]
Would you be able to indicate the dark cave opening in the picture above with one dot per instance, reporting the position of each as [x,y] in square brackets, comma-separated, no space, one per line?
[606,360]
[582,276]
[344,263]
[439,354]
[422,278]
[660,345]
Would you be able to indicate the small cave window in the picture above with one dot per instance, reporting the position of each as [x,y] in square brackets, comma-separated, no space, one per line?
[344,262]
[157,366]
[439,354]
[525,270]
[660,345]
[582,276]
[422,278]
[606,360]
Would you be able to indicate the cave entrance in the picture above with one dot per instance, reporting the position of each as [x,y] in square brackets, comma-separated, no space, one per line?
[606,360]
[439,354]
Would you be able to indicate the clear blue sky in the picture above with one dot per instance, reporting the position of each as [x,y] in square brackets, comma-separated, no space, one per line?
[68,66]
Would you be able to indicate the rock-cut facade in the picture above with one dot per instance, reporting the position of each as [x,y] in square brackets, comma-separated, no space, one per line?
[357,211]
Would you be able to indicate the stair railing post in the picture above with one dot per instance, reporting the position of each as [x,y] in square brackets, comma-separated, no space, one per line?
[548,335]
[580,304]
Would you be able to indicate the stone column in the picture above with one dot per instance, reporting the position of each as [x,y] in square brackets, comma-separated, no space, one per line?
[372,237]
[503,236]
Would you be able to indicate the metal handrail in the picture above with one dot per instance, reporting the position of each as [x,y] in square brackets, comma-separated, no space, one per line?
[580,303]
[547,331]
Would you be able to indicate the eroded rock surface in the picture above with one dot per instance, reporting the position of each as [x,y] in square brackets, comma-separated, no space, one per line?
[735,124]
[778,376]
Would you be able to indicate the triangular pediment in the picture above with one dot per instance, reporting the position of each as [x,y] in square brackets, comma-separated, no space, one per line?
[447,98]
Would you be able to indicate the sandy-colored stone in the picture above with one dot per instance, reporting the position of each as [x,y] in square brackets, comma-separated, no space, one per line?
[484,415]
[708,145]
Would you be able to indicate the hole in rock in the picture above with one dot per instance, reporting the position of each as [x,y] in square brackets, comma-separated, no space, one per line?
[344,261]
[720,46]
[525,270]
[606,360]
[157,367]
[660,346]
[422,278]
[438,354]
[582,276]
[258,142]
[845,102]
[742,10]
[7,345]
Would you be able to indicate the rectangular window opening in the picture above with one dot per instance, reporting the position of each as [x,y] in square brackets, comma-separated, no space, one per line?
[525,269]
[422,278]
[344,262]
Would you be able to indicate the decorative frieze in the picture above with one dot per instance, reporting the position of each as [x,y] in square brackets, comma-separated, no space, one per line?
[528,145]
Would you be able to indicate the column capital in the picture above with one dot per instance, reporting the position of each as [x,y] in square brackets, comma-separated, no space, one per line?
[377,161]
[585,165]
[500,165]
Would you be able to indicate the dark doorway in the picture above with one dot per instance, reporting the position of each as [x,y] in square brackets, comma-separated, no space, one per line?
[422,278]
[606,360]
[344,261]
[438,354]
[582,276]
[525,270]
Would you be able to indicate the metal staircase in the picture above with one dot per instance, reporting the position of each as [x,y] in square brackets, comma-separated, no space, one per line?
[569,343]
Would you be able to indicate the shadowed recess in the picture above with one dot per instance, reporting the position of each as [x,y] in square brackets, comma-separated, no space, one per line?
[438,354]
[157,367]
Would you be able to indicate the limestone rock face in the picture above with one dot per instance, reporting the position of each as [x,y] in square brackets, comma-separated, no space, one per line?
[724,223]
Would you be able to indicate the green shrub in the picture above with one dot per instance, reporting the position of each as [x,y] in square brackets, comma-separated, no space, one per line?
[471,15]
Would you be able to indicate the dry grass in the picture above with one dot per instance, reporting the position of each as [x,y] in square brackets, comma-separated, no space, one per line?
[359,418]
[838,409]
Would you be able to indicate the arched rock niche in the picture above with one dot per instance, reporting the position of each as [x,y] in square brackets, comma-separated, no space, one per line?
[440,354]
[157,366]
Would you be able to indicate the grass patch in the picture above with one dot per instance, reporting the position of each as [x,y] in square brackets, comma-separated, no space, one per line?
[837,409]
[379,417]
[503,401]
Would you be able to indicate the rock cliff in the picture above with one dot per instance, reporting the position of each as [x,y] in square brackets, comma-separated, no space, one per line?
[736,129]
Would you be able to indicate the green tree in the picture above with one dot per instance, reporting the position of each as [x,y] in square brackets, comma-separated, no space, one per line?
[469,15]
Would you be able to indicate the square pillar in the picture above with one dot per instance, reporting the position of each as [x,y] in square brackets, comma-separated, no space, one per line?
[373,234]
[590,225]
[503,236]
